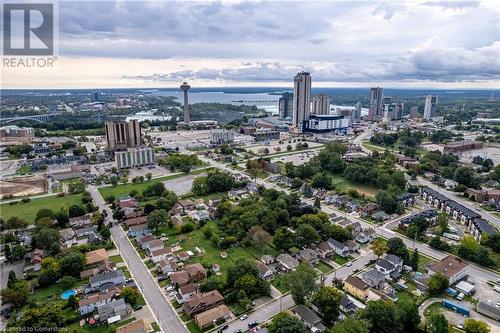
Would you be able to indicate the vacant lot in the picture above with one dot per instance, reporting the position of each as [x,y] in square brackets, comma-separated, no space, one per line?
[27,211]
[343,184]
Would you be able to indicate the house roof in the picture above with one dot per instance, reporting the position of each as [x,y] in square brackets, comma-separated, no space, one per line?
[114,306]
[387,265]
[483,227]
[449,266]
[160,252]
[306,315]
[308,254]
[263,269]
[369,231]
[145,239]
[336,244]
[287,260]
[106,276]
[180,277]
[356,282]
[207,317]
[95,256]
[194,269]
[188,289]
[154,243]
[324,247]
[97,297]
[394,259]
[138,227]
[136,220]
[209,298]
[373,275]
[267,257]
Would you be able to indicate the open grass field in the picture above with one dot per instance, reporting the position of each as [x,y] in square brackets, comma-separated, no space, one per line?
[423,261]
[343,184]
[124,189]
[211,254]
[27,211]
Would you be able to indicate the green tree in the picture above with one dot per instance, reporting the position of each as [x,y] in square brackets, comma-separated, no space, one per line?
[322,180]
[476,326]
[302,283]
[15,223]
[73,302]
[130,295]
[72,263]
[76,210]
[44,238]
[44,212]
[350,325]
[157,218]
[379,247]
[396,246]
[442,222]
[437,323]
[149,175]
[438,282]
[327,300]
[285,323]
[284,239]
[11,281]
[306,235]
[317,203]
[67,282]
[414,260]
[17,294]
[407,315]
[381,315]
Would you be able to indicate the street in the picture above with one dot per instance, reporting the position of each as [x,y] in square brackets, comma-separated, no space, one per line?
[164,313]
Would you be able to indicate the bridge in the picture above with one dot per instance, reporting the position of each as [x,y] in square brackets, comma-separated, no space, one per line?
[40,118]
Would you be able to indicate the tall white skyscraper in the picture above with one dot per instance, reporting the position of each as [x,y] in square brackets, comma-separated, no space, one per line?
[321,104]
[301,99]
[376,107]
[430,107]
[357,112]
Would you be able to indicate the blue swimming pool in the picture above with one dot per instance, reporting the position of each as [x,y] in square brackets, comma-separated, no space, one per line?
[67,294]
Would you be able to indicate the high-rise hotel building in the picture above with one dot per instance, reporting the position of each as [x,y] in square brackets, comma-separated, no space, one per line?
[301,100]
[321,104]
[376,106]
[122,134]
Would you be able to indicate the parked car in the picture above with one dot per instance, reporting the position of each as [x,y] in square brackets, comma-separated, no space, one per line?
[349,264]
[245,316]
[252,324]
[169,288]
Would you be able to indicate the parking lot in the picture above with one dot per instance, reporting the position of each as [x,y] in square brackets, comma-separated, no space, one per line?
[296,159]
[274,145]
[181,185]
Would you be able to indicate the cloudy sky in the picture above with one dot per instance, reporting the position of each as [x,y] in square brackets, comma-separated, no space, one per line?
[342,43]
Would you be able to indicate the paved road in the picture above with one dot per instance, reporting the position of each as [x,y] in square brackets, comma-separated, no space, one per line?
[165,315]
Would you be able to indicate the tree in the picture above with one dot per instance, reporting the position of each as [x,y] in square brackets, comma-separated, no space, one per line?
[437,323]
[307,235]
[284,239]
[317,203]
[289,148]
[327,300]
[15,223]
[465,175]
[350,325]
[442,222]
[76,210]
[45,222]
[407,315]
[72,263]
[200,186]
[414,260]
[285,323]
[11,279]
[67,282]
[396,246]
[17,294]
[44,238]
[156,218]
[62,219]
[438,282]
[381,315]
[244,275]
[149,175]
[118,214]
[379,247]
[44,212]
[302,283]
[130,295]
[322,180]
[73,302]
[476,326]
[258,235]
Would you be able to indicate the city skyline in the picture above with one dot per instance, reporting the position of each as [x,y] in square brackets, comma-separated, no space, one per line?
[131,44]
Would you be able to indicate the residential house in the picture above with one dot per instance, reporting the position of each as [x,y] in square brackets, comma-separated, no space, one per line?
[267,259]
[352,245]
[339,248]
[180,278]
[324,250]
[207,318]
[347,306]
[366,236]
[114,277]
[286,262]
[355,286]
[309,318]
[374,278]
[356,227]
[139,230]
[186,292]
[308,256]
[452,267]
[202,302]
[142,241]
[154,245]
[95,239]
[199,215]
[351,206]
[264,272]
[115,308]
[406,199]
[369,209]
[96,257]
[66,234]
[166,266]
[104,266]
[80,221]
[136,221]
[390,265]
[479,227]
[183,256]
[177,220]
[187,205]
[161,254]
[137,326]
[84,232]
[196,272]
[380,216]
[126,202]
[89,303]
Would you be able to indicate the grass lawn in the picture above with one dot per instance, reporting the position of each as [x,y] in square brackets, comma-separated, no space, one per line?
[106,328]
[192,327]
[116,259]
[343,184]
[323,267]
[279,284]
[258,251]
[24,169]
[155,327]
[211,254]
[124,189]
[339,260]
[27,211]
[422,261]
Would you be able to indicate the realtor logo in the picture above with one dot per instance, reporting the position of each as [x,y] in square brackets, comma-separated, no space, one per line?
[28,29]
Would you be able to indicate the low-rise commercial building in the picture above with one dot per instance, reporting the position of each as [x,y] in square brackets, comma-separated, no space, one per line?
[134,157]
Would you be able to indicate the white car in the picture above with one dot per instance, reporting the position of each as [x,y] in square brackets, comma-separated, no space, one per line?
[245,316]
[169,288]
[349,264]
